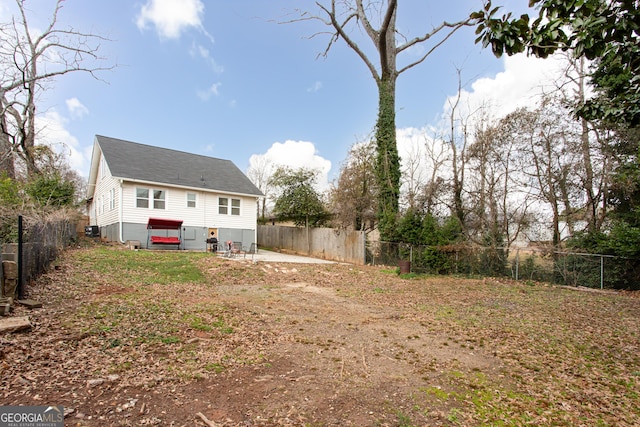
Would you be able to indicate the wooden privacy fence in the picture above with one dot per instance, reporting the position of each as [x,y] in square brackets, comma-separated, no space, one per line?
[326,243]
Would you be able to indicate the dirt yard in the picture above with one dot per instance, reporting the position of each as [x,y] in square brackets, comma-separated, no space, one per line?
[139,338]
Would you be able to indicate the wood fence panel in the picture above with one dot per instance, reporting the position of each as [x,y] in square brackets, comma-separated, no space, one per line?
[326,243]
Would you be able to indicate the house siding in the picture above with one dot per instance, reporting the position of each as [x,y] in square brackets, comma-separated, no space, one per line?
[102,211]
[196,221]
[205,214]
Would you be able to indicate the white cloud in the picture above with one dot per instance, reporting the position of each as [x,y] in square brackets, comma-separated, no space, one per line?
[171,17]
[410,140]
[51,128]
[76,109]
[198,50]
[315,87]
[296,154]
[520,85]
[205,95]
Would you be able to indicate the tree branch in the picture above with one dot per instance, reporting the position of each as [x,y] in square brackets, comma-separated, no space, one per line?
[362,16]
[455,26]
[430,51]
[383,40]
[341,32]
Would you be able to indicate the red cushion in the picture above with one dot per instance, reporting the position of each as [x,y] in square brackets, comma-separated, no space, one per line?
[161,240]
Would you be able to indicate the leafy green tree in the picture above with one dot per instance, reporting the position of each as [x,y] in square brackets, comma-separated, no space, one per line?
[624,188]
[605,31]
[298,200]
[410,228]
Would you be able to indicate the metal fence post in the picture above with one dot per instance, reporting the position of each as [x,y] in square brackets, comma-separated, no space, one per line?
[601,272]
[20,258]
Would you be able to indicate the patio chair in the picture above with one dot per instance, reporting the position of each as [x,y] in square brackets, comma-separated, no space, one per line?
[253,249]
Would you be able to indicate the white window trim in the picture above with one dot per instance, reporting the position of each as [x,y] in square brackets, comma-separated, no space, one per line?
[239,207]
[195,200]
[165,200]
[151,198]
[136,198]
[225,206]
[229,206]
[112,199]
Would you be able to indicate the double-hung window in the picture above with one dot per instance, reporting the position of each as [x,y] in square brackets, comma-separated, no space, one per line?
[159,197]
[235,206]
[191,200]
[223,205]
[142,197]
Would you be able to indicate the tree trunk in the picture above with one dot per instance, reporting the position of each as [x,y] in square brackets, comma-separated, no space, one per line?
[387,161]
[6,154]
[588,179]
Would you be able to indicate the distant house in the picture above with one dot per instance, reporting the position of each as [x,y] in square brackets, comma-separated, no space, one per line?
[131,183]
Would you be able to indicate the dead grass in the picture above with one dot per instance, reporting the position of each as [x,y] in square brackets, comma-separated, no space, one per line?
[267,344]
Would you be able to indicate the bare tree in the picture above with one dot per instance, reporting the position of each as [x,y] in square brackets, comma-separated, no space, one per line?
[29,62]
[378,21]
[457,140]
[260,172]
[412,179]
[549,144]
[436,157]
[595,161]
[500,203]
[353,197]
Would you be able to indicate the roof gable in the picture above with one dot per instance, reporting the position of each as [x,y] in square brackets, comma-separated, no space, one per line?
[133,161]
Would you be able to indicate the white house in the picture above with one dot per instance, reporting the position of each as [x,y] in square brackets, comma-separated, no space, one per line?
[130,183]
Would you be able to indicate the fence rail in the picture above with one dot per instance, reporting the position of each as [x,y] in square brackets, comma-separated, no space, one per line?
[536,264]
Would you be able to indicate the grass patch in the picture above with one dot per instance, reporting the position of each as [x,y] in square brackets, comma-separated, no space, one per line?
[146,267]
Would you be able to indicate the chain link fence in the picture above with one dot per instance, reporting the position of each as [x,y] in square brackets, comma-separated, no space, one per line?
[535,264]
[36,243]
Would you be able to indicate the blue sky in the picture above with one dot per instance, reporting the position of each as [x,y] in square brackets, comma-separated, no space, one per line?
[225,79]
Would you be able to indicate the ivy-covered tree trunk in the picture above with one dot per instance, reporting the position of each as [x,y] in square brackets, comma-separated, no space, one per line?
[387,161]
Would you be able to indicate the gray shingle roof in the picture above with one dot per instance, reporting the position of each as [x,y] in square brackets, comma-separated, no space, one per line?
[130,160]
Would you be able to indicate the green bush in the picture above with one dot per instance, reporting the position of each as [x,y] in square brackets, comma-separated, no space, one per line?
[51,191]
[621,270]
[9,191]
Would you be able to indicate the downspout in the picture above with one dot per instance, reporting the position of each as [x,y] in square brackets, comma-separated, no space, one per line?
[120,214]
[255,231]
